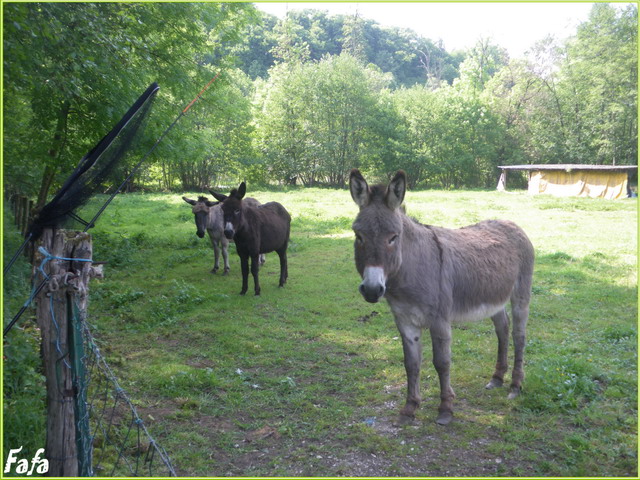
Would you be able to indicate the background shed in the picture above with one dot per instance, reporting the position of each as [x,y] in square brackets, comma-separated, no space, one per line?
[564,180]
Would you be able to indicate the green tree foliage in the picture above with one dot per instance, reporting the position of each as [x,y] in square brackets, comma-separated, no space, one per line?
[313,96]
[71,71]
[601,96]
[409,57]
[450,137]
[319,119]
[575,102]
[214,144]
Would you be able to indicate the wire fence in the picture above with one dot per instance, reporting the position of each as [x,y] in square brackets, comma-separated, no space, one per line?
[113,440]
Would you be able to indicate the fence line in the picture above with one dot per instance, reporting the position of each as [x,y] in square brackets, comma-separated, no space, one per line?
[93,428]
[21,207]
[116,441]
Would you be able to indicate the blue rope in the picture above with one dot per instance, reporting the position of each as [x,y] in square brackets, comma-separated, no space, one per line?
[48,257]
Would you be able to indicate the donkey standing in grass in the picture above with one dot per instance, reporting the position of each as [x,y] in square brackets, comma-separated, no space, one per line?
[255,230]
[208,216]
[434,276]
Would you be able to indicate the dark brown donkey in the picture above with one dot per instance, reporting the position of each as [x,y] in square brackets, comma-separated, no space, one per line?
[434,276]
[255,230]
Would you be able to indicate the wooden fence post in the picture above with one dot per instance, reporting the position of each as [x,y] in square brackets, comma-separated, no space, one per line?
[68,283]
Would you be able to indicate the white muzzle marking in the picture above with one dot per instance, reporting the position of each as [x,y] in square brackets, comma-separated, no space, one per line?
[374,283]
[229,231]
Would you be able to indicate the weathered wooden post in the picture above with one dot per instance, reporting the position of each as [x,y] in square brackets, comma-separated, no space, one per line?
[67,285]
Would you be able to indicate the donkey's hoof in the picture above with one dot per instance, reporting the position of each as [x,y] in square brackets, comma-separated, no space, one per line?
[515,391]
[494,383]
[403,420]
[214,270]
[444,418]
[226,272]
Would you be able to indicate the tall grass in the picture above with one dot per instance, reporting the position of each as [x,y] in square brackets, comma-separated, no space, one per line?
[307,379]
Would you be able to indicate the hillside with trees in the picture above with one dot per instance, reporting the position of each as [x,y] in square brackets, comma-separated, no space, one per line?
[305,99]
[408,56]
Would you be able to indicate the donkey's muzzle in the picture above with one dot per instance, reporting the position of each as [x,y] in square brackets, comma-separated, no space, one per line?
[372,294]
[373,284]
[200,234]
[229,231]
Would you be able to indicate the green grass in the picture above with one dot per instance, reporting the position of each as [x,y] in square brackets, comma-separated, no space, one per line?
[282,384]
[24,400]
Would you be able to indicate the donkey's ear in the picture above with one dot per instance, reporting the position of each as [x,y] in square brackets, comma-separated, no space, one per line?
[218,196]
[189,201]
[359,188]
[395,191]
[242,189]
[211,204]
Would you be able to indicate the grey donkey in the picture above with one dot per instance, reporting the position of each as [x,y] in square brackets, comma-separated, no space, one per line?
[432,277]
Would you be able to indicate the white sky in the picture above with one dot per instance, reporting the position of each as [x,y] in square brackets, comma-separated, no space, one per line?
[515,26]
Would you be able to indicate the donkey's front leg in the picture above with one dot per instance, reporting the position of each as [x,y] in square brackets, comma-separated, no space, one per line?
[244,267]
[255,267]
[216,253]
[225,254]
[412,348]
[441,343]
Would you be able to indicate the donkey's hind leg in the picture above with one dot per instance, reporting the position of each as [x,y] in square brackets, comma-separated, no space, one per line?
[255,267]
[501,324]
[284,270]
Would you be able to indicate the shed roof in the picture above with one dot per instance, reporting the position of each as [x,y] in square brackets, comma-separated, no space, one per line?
[568,167]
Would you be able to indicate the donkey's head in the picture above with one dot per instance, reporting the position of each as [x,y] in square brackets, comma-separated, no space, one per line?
[378,229]
[200,210]
[232,209]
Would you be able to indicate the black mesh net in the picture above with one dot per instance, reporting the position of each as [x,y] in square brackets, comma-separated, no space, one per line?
[101,167]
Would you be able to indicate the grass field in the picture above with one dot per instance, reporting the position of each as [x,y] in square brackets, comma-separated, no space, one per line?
[308,379]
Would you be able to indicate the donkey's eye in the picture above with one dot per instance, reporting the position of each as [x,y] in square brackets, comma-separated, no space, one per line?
[359,239]
[393,239]
[237,212]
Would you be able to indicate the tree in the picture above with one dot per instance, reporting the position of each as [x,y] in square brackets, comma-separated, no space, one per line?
[75,69]
[600,85]
[450,137]
[215,143]
[512,95]
[354,42]
[318,120]
[585,110]
[402,52]
[481,63]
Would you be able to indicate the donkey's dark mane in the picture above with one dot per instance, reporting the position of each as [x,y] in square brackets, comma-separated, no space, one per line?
[202,199]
